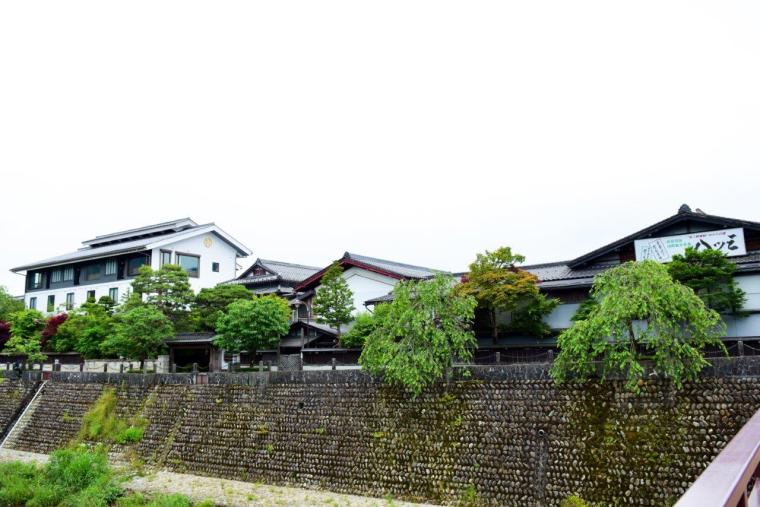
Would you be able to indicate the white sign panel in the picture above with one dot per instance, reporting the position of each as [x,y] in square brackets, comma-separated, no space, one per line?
[728,241]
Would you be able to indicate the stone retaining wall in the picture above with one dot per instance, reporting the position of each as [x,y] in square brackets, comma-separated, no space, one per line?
[505,436]
[13,395]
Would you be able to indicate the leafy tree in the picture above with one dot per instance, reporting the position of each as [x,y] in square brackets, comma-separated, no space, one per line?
[8,304]
[711,275]
[107,303]
[26,337]
[5,332]
[85,331]
[334,301]
[364,324]
[425,327]
[498,285]
[588,306]
[168,289]
[642,314]
[253,324]
[51,328]
[140,333]
[211,303]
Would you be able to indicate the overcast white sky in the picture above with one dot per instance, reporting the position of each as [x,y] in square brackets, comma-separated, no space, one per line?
[421,132]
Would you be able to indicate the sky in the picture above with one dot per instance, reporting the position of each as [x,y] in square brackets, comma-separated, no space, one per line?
[418,131]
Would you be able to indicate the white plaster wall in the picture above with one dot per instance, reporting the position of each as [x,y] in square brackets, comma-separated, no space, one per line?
[751,285]
[560,317]
[367,285]
[219,251]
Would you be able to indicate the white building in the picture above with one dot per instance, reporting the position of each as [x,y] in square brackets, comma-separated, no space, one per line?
[106,265]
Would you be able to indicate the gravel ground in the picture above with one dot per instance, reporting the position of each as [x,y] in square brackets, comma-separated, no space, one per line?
[232,493]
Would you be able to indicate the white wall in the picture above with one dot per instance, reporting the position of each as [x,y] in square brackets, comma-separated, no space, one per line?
[751,285]
[367,285]
[218,251]
[559,318]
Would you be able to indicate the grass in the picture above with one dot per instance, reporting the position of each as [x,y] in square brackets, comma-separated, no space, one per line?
[102,424]
[74,477]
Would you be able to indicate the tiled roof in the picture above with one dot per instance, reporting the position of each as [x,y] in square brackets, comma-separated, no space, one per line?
[97,251]
[278,271]
[191,338]
[401,269]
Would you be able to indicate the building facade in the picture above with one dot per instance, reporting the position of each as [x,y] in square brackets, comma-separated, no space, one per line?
[106,264]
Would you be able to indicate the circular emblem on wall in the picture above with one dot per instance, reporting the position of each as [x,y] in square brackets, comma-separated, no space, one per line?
[207,241]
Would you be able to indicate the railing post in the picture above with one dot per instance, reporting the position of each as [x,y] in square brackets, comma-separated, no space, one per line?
[551,355]
[333,363]
[105,367]
[121,367]
[740,347]
[498,357]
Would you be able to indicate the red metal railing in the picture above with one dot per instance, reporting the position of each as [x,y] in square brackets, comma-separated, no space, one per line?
[725,481]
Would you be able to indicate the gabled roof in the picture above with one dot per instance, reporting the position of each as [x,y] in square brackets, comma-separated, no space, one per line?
[136,240]
[385,267]
[276,271]
[685,214]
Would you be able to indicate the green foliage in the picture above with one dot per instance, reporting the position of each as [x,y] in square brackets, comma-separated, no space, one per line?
[642,314]
[107,303]
[85,331]
[499,286]
[586,308]
[26,329]
[253,324]
[709,274]
[102,424]
[210,304]
[139,333]
[574,501]
[138,500]
[426,326]
[168,289]
[364,324]
[334,301]
[8,304]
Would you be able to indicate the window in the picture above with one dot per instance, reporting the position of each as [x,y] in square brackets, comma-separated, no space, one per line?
[215,267]
[134,264]
[113,293]
[70,301]
[68,274]
[166,257]
[57,276]
[92,272]
[190,263]
[51,303]
[111,267]
[32,303]
[90,295]
[36,280]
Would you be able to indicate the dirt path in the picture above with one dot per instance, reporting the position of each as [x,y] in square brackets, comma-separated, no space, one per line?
[232,493]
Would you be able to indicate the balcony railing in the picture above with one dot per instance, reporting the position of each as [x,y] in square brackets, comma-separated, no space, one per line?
[726,480]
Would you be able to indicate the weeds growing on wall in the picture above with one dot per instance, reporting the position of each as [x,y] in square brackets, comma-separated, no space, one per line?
[102,423]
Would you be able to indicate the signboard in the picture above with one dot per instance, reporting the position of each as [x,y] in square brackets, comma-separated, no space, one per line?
[728,241]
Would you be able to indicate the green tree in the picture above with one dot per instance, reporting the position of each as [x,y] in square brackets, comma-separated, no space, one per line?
[169,290]
[642,315]
[364,325]
[253,324]
[85,331]
[498,285]
[26,334]
[334,301]
[8,304]
[710,275]
[211,303]
[424,329]
[139,333]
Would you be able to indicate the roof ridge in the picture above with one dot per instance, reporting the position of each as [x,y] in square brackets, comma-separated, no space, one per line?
[293,264]
[355,255]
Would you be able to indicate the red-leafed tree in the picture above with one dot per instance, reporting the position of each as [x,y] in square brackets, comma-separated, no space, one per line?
[5,332]
[51,328]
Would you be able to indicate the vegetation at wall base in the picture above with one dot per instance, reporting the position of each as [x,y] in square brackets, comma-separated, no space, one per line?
[642,315]
[102,424]
[74,477]
[425,328]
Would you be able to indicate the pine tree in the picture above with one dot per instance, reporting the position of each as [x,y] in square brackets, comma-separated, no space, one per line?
[333,303]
